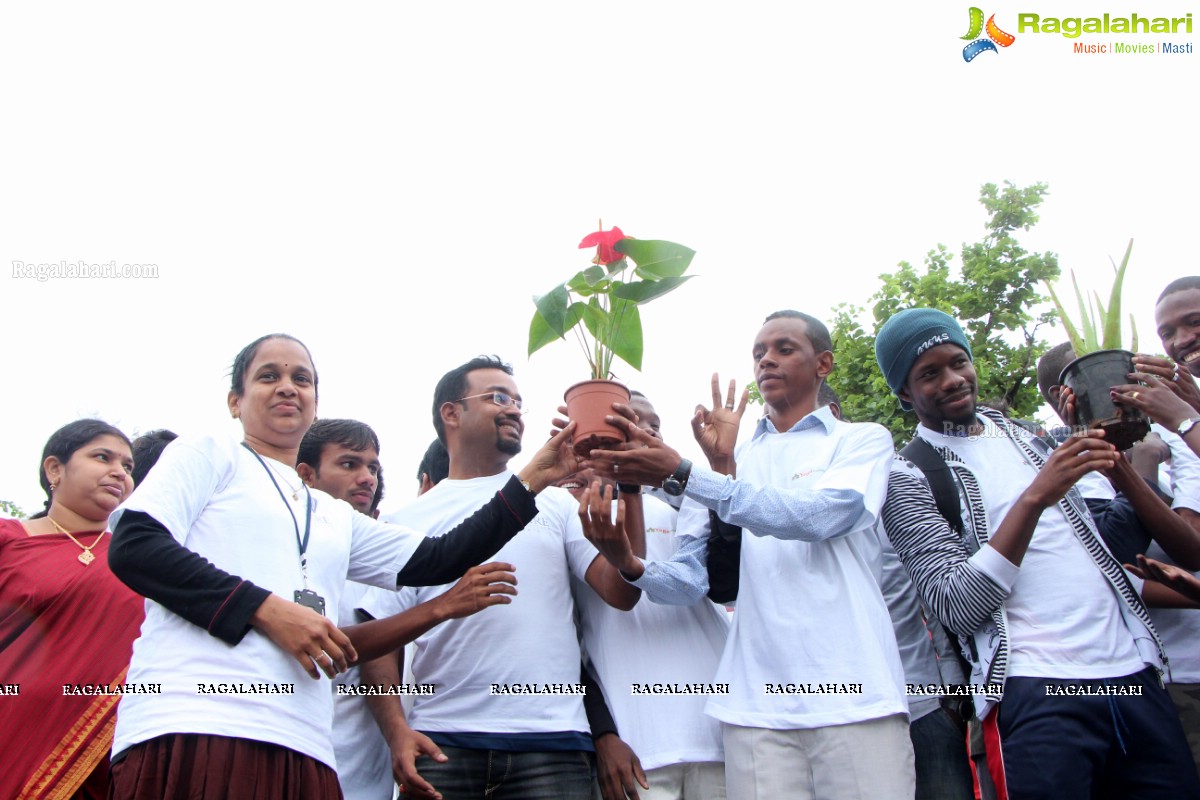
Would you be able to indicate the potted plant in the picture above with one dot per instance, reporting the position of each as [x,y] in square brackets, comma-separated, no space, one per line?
[1100,364]
[600,304]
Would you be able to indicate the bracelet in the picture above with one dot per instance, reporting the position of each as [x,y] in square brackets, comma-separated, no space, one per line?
[629,488]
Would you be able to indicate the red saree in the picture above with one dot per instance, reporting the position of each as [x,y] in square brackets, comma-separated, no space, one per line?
[62,624]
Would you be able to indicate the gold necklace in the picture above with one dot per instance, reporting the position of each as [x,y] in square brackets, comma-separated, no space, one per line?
[86,557]
[282,477]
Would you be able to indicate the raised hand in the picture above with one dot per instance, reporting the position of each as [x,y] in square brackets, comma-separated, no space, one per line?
[608,535]
[313,640]
[555,461]
[716,430]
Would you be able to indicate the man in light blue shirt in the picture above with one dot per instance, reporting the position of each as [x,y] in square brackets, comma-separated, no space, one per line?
[816,705]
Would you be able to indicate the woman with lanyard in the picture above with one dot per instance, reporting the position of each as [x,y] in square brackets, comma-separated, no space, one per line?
[67,625]
[239,560]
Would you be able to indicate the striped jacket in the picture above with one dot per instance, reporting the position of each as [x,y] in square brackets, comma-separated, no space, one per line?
[964,597]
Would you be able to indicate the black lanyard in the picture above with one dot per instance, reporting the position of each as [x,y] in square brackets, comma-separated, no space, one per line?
[301,543]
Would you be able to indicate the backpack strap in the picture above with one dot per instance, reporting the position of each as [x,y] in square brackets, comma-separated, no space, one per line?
[945,494]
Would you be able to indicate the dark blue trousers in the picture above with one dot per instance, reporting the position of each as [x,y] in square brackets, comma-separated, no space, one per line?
[1060,743]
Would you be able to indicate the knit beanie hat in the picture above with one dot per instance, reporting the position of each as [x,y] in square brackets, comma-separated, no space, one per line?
[905,336]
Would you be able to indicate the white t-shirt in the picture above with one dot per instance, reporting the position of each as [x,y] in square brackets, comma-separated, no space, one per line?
[658,652]
[1179,628]
[484,666]
[1064,619]
[912,636]
[363,759]
[812,643]
[217,500]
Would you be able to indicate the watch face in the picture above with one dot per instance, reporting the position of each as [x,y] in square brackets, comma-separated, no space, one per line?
[672,486]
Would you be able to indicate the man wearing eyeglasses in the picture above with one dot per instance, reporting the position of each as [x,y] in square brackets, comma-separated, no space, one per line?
[506,719]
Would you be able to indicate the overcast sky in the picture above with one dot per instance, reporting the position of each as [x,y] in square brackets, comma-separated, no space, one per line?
[392,182]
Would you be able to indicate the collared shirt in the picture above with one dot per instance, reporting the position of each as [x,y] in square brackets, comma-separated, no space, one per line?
[812,643]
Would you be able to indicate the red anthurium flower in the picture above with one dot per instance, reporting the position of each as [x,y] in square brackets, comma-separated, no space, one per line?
[603,241]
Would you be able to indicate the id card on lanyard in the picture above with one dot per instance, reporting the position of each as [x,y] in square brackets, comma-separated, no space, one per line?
[305,596]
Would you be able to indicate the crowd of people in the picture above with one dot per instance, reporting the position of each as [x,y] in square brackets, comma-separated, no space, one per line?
[990,612]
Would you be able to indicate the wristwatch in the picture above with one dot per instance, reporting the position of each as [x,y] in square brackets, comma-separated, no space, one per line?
[676,482]
[1187,425]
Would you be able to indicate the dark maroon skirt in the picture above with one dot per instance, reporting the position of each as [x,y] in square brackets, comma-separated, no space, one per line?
[202,767]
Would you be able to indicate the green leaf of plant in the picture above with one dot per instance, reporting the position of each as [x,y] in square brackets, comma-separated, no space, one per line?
[644,291]
[1102,315]
[1090,343]
[552,306]
[594,317]
[623,335]
[588,282]
[617,266]
[1112,324]
[540,333]
[656,258]
[579,281]
[1077,343]
[594,274]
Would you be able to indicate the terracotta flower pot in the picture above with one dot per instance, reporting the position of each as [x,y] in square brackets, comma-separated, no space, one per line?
[588,403]
[1091,378]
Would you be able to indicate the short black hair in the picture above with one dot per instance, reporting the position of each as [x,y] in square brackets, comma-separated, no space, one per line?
[826,395]
[348,433]
[1050,367]
[146,450]
[818,334]
[1179,285]
[452,385]
[378,498]
[435,463]
[245,357]
[63,443]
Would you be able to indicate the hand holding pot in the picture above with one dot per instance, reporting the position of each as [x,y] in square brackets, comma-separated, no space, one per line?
[1175,376]
[1066,406]
[555,461]
[1082,453]
[643,459]
[1156,399]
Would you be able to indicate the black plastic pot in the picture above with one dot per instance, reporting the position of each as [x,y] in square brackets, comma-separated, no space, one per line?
[1091,378]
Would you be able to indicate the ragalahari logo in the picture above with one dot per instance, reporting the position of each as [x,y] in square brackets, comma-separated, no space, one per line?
[994,37]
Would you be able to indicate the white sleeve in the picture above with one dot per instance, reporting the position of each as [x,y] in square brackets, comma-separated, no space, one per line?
[186,477]
[1185,472]
[378,551]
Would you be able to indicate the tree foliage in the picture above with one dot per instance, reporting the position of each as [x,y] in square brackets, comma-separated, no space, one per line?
[11,510]
[992,296]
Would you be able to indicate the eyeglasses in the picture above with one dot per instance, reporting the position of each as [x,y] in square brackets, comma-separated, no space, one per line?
[502,399]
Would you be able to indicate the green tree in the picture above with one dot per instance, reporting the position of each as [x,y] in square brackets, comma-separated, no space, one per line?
[10,509]
[992,296]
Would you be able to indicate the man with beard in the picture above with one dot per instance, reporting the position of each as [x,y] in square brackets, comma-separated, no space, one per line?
[1067,661]
[506,717]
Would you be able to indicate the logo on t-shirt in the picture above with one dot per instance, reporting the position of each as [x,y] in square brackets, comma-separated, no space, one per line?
[805,474]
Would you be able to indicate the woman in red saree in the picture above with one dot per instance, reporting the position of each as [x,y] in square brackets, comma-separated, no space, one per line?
[67,625]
